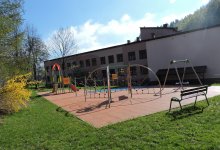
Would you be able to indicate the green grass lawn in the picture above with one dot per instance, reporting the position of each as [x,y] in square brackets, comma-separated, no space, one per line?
[40,126]
[216,84]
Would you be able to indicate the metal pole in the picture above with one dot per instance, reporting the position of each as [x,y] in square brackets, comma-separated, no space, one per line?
[75,86]
[129,80]
[109,87]
[85,91]
[196,74]
[184,71]
[166,75]
[178,77]
[104,87]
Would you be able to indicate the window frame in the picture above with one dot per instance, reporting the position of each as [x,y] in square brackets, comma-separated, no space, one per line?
[131,57]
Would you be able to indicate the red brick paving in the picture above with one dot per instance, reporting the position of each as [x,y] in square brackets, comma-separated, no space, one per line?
[94,110]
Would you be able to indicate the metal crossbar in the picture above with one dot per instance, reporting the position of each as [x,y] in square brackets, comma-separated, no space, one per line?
[181,79]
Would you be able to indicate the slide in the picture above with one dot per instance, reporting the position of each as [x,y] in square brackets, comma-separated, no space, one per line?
[73,87]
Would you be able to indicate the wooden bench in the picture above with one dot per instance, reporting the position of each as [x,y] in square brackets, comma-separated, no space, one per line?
[190,93]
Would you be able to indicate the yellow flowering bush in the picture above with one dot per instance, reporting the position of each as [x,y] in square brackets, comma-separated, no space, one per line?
[13,95]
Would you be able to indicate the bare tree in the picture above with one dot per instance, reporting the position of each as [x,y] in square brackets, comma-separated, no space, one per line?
[63,43]
[36,50]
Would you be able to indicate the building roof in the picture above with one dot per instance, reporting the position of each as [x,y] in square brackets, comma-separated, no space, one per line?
[166,36]
[170,28]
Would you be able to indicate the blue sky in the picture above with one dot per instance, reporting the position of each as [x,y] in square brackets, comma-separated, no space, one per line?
[101,23]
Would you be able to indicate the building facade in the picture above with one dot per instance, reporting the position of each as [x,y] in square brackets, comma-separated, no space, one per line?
[155,47]
[201,47]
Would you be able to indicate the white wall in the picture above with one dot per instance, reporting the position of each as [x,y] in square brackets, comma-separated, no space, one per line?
[200,47]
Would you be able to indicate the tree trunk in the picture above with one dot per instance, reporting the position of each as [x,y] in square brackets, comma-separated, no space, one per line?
[35,74]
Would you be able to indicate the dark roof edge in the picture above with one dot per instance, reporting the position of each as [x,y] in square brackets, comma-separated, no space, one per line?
[176,34]
[185,32]
[158,28]
[102,49]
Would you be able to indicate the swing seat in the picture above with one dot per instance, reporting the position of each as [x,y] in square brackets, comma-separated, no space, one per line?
[183,83]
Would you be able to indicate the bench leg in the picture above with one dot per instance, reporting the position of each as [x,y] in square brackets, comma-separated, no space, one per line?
[206,99]
[180,105]
[170,105]
[195,101]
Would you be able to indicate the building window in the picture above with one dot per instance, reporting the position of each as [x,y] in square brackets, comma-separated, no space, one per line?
[131,56]
[112,71]
[94,62]
[143,70]
[94,75]
[153,35]
[74,63]
[110,59]
[47,68]
[133,70]
[102,60]
[120,58]
[104,73]
[68,65]
[121,71]
[87,63]
[142,54]
[81,63]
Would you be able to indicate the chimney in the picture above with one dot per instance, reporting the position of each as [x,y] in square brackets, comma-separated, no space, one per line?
[128,41]
[165,25]
[138,39]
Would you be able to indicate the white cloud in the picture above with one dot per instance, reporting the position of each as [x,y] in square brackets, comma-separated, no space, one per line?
[94,35]
[204,2]
[173,17]
[172,1]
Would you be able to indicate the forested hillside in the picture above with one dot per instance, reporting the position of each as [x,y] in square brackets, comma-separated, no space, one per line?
[206,16]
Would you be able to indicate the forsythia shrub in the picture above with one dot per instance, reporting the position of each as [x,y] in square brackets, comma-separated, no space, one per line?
[13,95]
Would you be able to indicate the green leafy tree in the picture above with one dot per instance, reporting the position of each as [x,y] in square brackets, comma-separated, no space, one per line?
[10,37]
[208,15]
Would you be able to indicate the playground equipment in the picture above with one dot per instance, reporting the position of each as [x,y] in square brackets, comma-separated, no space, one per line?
[181,79]
[57,79]
[107,83]
[60,82]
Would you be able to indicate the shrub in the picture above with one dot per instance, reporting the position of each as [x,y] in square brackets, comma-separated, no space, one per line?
[13,95]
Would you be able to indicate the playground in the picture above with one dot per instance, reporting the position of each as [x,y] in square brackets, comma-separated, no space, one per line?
[99,103]
[103,102]
[94,110]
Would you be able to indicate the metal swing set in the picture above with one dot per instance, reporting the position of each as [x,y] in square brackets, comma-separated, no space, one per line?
[181,79]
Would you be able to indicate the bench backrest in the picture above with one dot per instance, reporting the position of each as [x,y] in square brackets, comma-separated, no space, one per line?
[194,90]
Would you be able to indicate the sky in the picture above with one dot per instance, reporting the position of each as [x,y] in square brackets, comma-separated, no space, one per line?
[102,23]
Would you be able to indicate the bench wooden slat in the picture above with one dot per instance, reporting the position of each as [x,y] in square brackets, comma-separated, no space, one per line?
[192,96]
[193,89]
[193,92]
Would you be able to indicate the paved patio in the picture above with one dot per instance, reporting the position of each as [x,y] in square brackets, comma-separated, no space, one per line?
[94,110]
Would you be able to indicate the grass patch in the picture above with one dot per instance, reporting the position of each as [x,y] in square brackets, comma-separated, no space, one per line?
[45,126]
[216,84]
